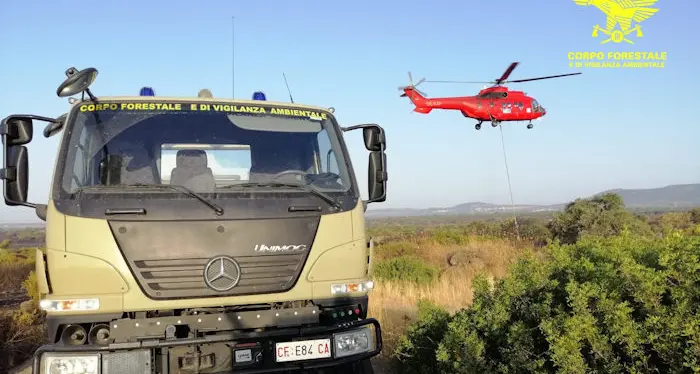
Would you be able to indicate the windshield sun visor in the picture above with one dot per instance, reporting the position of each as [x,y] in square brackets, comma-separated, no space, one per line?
[276,124]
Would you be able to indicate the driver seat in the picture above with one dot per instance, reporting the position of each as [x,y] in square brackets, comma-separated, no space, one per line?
[191,171]
[137,166]
[263,172]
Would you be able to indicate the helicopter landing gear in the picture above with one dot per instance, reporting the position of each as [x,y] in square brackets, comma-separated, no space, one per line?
[530,125]
[478,126]
[494,121]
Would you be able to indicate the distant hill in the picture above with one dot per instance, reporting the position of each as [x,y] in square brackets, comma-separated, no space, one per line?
[674,196]
[670,197]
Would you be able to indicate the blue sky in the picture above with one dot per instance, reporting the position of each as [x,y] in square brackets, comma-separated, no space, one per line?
[604,129]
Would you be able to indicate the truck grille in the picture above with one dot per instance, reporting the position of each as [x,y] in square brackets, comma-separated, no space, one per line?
[168,258]
[184,278]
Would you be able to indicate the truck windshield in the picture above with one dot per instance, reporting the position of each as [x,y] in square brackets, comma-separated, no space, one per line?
[205,147]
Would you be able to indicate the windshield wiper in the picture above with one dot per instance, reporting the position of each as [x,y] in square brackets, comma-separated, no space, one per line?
[306,187]
[182,189]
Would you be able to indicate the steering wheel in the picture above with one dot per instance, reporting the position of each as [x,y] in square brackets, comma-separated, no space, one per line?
[289,171]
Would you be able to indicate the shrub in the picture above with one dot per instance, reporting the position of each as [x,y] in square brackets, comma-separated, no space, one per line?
[415,351]
[530,229]
[405,269]
[446,236]
[30,287]
[395,249]
[617,304]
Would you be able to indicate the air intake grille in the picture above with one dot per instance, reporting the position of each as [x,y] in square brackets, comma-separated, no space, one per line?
[181,278]
[133,362]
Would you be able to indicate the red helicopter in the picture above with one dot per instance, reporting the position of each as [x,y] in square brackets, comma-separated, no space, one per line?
[494,104]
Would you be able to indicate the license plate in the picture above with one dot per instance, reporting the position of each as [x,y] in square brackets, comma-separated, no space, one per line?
[303,350]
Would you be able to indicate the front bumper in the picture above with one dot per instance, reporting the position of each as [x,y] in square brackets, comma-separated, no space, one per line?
[265,341]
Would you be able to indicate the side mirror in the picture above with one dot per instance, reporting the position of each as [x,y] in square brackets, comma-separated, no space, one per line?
[54,128]
[16,130]
[77,81]
[375,140]
[377,177]
[16,175]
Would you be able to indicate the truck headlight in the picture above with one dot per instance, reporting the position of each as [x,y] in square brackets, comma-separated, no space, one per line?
[353,342]
[69,305]
[340,288]
[71,364]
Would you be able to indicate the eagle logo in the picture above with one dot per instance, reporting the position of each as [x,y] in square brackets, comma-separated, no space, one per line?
[622,13]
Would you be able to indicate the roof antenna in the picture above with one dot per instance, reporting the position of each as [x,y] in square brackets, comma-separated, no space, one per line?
[288,90]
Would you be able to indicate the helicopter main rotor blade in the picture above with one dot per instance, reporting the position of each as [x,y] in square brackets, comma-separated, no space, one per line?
[461,82]
[540,78]
[507,73]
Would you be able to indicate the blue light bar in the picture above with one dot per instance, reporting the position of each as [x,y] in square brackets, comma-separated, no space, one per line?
[259,95]
[147,91]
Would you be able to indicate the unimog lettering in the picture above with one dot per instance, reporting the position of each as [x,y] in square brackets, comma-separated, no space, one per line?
[279,248]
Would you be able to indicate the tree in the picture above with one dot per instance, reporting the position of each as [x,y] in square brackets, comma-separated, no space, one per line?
[603,215]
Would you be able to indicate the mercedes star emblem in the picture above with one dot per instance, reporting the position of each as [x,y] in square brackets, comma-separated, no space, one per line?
[222,273]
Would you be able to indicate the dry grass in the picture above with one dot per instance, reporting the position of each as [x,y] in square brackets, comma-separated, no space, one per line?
[21,329]
[394,304]
[12,275]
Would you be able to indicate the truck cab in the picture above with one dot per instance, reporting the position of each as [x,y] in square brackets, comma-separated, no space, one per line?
[199,235]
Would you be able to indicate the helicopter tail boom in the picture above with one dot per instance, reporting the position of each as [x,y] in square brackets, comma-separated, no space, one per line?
[417,99]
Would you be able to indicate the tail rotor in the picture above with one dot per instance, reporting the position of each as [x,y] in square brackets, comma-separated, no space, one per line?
[412,86]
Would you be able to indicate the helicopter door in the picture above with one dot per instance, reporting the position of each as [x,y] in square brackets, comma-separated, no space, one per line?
[518,109]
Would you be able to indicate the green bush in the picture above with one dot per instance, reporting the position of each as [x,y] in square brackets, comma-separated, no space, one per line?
[395,249]
[405,269]
[420,341]
[614,305]
[449,235]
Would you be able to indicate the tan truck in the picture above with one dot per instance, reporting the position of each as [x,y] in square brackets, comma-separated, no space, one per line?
[200,235]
